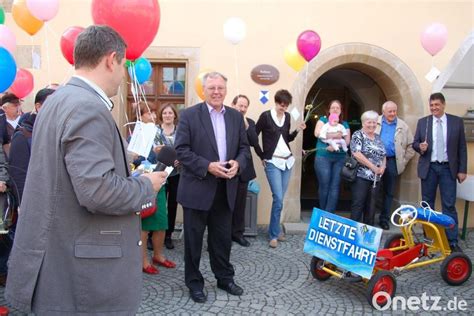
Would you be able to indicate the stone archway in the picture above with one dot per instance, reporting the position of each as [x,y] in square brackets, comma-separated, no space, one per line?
[395,78]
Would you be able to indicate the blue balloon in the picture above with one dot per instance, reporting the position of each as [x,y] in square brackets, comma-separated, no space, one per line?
[7,69]
[142,70]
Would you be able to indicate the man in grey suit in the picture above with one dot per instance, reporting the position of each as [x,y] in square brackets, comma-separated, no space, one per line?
[212,147]
[77,247]
[441,143]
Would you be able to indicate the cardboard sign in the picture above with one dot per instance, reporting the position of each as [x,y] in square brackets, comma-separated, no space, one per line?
[349,245]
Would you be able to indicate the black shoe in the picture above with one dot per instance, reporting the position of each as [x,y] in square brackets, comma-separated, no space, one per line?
[455,248]
[241,241]
[198,296]
[384,225]
[149,244]
[169,243]
[231,288]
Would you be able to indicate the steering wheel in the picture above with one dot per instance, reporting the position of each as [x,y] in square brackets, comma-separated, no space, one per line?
[407,214]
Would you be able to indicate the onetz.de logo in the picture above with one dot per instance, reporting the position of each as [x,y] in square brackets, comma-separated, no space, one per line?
[415,303]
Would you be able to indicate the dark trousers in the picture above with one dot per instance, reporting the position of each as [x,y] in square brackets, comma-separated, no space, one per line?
[364,200]
[171,193]
[6,240]
[389,181]
[218,221]
[238,216]
[440,174]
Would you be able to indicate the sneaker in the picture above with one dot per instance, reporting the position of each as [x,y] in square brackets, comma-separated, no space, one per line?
[273,243]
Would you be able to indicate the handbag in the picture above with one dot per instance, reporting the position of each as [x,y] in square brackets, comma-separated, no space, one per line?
[149,211]
[253,186]
[349,170]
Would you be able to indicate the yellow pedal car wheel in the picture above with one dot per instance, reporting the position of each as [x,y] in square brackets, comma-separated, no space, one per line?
[456,268]
[316,269]
[381,288]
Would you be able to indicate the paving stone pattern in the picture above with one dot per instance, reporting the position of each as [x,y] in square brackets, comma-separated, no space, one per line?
[278,282]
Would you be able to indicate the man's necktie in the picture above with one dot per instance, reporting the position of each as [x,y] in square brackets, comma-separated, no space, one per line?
[439,141]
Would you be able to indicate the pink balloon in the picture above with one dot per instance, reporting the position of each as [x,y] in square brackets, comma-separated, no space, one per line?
[309,44]
[23,84]
[7,39]
[43,10]
[434,38]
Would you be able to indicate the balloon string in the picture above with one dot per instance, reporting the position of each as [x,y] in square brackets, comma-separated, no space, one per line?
[135,91]
[142,90]
[48,62]
[138,94]
[133,83]
[236,69]
[32,52]
[122,102]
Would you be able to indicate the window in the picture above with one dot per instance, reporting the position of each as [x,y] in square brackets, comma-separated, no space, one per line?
[167,84]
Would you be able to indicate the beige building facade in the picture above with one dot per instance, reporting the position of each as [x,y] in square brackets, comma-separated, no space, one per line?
[370,53]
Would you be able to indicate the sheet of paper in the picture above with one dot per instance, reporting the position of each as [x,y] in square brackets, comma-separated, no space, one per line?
[35,60]
[169,169]
[142,138]
[295,114]
[432,74]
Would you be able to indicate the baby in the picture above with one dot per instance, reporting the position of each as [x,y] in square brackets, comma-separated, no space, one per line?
[333,126]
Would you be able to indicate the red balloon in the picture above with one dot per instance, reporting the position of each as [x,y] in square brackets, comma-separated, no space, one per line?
[23,84]
[137,21]
[68,39]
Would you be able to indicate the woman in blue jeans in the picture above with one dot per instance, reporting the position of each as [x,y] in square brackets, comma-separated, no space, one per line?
[276,157]
[328,163]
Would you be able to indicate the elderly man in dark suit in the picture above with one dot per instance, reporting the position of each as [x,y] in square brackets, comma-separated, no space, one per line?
[441,143]
[77,247]
[212,147]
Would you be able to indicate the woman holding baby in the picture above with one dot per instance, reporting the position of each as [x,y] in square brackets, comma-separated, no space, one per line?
[329,161]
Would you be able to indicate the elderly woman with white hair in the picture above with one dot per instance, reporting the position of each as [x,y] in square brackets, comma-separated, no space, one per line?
[368,149]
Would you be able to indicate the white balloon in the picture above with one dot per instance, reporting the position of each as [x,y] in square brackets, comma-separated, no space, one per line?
[235,30]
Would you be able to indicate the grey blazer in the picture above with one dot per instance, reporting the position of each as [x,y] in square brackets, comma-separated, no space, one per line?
[77,247]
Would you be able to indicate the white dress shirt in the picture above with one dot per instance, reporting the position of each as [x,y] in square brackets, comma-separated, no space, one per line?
[101,92]
[282,149]
[434,152]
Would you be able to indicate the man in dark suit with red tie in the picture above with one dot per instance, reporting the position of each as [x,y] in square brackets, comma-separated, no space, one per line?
[212,147]
[441,143]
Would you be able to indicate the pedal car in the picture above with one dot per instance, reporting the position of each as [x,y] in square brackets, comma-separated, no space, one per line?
[407,251]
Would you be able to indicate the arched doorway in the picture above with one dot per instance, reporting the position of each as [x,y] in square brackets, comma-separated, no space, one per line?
[395,79]
[358,93]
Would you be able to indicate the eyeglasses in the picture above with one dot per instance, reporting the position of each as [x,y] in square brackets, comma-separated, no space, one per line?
[219,89]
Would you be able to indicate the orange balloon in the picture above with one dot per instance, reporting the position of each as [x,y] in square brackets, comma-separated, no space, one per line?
[24,18]
[199,81]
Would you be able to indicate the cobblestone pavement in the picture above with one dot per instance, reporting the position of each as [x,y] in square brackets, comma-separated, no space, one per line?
[278,282]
